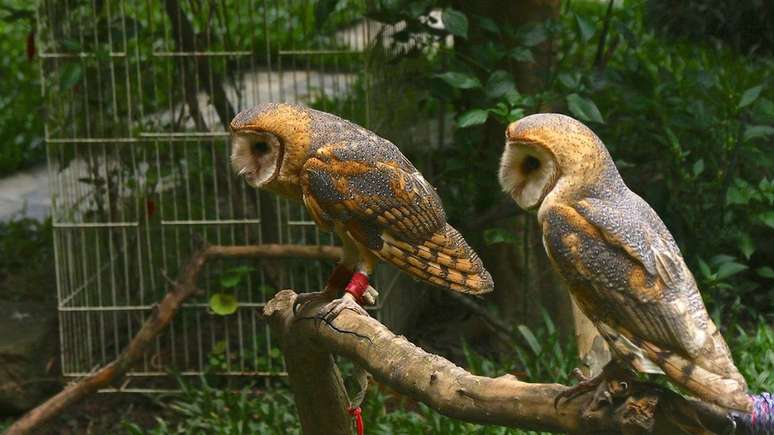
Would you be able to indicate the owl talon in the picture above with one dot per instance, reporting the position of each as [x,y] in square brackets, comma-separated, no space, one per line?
[302,299]
[370,296]
[578,375]
[336,306]
[584,386]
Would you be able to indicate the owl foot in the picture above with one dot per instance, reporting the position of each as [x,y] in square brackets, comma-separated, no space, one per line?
[356,293]
[304,298]
[336,306]
[584,385]
[587,384]
[339,278]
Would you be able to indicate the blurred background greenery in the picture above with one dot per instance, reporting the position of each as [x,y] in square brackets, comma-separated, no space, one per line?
[682,96]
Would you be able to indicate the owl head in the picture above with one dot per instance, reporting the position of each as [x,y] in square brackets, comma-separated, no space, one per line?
[546,150]
[265,141]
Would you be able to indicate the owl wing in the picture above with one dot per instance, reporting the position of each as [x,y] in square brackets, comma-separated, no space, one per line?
[669,309]
[392,210]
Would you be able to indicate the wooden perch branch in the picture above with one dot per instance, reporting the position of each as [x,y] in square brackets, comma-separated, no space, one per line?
[392,360]
[162,314]
[322,399]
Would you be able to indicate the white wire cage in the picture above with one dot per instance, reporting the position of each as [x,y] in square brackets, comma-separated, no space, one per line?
[137,98]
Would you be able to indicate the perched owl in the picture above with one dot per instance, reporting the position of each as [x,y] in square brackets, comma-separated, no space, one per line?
[622,265]
[361,187]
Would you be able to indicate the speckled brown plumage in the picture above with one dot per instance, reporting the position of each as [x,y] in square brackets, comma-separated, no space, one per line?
[621,263]
[362,187]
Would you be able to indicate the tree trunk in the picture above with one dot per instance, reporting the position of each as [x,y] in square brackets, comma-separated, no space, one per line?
[523,276]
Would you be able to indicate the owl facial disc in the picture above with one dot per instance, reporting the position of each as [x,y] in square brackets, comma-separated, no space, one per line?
[527,173]
[256,155]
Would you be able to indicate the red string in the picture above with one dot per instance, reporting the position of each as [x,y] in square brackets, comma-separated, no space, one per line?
[358,414]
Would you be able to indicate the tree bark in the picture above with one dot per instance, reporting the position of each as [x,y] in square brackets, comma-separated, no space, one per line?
[309,344]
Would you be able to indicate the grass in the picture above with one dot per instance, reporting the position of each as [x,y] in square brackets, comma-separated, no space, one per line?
[754,356]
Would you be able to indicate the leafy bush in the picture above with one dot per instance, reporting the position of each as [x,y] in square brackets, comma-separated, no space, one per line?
[744,25]
[20,101]
[203,409]
[754,356]
[689,125]
[541,356]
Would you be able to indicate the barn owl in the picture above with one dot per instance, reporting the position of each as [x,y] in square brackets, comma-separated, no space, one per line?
[620,262]
[360,186]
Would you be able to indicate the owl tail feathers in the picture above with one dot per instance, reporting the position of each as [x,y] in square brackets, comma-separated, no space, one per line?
[712,387]
[444,259]
[761,420]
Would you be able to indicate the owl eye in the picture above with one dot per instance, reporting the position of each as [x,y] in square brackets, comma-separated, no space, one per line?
[260,147]
[529,165]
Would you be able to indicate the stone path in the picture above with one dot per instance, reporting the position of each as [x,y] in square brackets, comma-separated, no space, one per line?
[25,193]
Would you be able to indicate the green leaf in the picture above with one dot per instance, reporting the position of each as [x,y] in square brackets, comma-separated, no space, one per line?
[569,81]
[241,270]
[729,269]
[767,218]
[71,45]
[550,327]
[223,304]
[586,28]
[323,10]
[750,96]
[488,24]
[513,98]
[459,80]
[755,131]
[230,280]
[219,347]
[530,339]
[499,235]
[584,108]
[472,117]
[70,76]
[500,83]
[455,22]
[698,167]
[520,54]
[746,245]
[737,194]
[765,272]
[266,290]
[705,269]
[722,258]
[533,35]
[515,114]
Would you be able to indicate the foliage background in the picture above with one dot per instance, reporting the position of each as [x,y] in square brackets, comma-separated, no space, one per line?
[682,97]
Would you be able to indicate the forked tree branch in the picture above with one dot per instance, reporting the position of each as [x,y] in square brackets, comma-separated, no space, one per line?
[322,400]
[180,290]
[309,344]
